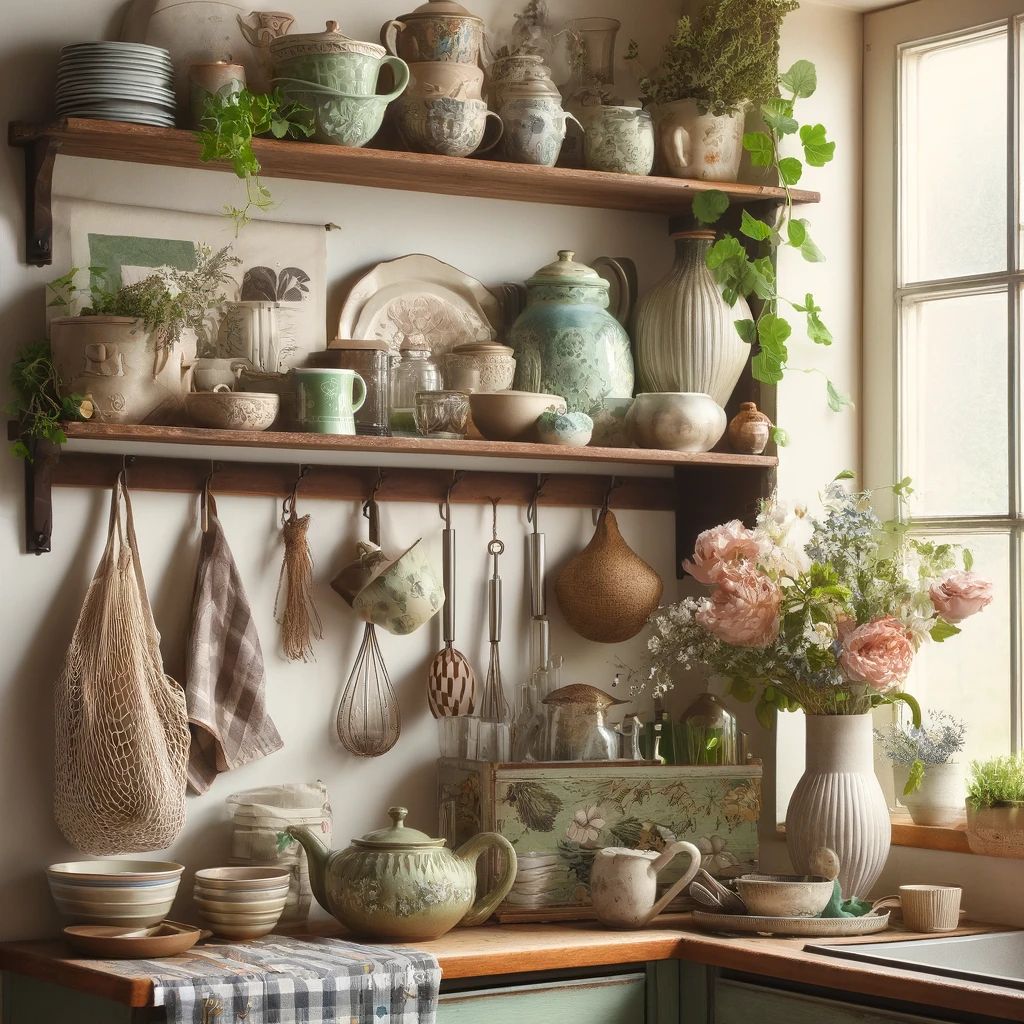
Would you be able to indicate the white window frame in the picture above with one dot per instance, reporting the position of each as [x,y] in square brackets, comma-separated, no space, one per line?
[889,34]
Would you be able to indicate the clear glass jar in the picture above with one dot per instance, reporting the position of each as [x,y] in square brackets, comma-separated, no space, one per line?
[417,371]
[442,414]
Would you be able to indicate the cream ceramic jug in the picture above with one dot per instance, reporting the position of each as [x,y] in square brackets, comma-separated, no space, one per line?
[624,883]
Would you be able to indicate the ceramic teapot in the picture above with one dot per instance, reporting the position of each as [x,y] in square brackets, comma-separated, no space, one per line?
[624,883]
[567,343]
[398,883]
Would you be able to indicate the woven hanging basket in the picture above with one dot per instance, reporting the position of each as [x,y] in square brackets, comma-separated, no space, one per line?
[608,592]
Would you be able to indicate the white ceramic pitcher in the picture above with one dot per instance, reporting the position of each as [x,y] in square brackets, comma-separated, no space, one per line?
[624,883]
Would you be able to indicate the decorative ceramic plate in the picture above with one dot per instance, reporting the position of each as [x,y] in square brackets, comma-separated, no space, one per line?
[419,297]
[803,927]
[117,942]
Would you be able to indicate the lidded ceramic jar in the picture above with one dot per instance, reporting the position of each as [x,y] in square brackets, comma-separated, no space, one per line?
[576,729]
[567,343]
[535,123]
[749,430]
[514,69]
[436,30]
[399,883]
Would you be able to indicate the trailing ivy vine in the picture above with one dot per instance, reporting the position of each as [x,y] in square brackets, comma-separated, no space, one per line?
[754,276]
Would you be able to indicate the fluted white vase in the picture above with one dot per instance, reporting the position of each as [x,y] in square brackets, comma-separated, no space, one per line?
[839,803]
[685,332]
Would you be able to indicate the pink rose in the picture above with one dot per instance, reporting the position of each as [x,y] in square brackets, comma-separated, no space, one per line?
[744,608]
[960,596]
[718,548]
[878,653]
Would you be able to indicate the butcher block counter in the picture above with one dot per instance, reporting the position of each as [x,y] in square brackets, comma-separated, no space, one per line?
[503,961]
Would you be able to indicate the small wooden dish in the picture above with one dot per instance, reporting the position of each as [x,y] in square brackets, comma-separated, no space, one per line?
[115,942]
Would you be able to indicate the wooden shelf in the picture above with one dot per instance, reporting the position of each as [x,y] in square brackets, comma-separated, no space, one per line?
[374,168]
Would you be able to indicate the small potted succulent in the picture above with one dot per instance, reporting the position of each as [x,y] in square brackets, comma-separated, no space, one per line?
[995,807]
[713,69]
[929,778]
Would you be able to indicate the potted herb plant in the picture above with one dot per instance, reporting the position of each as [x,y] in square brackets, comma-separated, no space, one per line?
[995,807]
[124,350]
[713,69]
[929,778]
[817,613]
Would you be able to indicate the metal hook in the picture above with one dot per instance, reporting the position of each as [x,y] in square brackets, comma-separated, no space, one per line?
[370,511]
[204,499]
[444,507]
[598,515]
[531,509]
[288,505]
[126,461]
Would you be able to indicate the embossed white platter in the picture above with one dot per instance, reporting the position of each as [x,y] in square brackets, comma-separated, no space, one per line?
[803,927]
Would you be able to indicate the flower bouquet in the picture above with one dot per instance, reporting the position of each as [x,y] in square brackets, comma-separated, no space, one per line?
[819,614]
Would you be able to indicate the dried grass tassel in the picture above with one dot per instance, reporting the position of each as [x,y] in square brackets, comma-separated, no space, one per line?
[299,621]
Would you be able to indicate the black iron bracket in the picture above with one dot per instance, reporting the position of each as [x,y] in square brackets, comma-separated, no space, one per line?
[40,156]
[39,470]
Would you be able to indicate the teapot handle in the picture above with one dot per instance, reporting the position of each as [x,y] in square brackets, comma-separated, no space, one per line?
[623,270]
[488,903]
[670,854]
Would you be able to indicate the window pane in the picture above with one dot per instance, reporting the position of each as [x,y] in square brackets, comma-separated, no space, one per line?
[970,675]
[955,396]
[954,158]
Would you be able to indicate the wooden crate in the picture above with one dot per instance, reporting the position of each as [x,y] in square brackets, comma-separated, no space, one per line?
[564,813]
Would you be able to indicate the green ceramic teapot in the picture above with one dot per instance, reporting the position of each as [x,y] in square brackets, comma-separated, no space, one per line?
[398,883]
[567,343]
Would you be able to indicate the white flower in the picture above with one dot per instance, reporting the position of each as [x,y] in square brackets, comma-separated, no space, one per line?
[586,825]
[783,534]
[820,634]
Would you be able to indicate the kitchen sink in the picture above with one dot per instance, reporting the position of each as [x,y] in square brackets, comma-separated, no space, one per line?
[994,959]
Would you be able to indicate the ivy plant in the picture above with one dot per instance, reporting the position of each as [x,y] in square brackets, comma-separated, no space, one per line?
[227,127]
[752,275]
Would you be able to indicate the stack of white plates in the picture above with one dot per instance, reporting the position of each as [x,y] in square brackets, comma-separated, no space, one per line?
[116,82]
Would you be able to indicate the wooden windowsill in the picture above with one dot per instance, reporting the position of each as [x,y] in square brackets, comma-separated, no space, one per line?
[921,837]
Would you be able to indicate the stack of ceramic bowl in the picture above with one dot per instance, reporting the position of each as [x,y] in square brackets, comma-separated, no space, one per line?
[538,879]
[116,82]
[241,903]
[114,892]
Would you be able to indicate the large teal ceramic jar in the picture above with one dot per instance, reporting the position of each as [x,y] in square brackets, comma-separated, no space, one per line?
[567,343]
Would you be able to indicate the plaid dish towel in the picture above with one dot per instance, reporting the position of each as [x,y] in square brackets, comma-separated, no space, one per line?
[281,980]
[225,677]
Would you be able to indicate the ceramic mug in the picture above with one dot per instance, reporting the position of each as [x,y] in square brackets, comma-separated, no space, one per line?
[535,128]
[212,78]
[430,79]
[926,908]
[618,139]
[325,401]
[347,74]
[446,126]
[695,145]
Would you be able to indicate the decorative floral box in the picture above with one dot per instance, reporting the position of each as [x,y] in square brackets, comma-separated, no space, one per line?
[558,815]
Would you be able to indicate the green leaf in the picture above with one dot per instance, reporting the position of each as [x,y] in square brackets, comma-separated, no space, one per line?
[765,714]
[808,249]
[778,115]
[818,151]
[754,228]
[780,437]
[709,206]
[796,233]
[760,147]
[725,250]
[742,689]
[836,399]
[766,368]
[791,170]
[914,778]
[846,474]
[903,488]
[943,630]
[817,331]
[773,332]
[801,79]
[747,330]
[968,560]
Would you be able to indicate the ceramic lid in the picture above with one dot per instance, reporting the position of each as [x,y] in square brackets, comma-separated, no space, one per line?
[396,835]
[531,88]
[433,8]
[582,695]
[565,270]
[473,348]
[333,40]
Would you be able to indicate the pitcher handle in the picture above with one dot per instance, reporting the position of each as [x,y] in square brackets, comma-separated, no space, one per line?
[488,903]
[671,852]
[360,385]
[389,36]
[486,147]
[401,73]
[676,147]
[626,296]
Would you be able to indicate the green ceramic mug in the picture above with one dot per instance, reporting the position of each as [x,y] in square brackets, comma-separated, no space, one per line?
[325,400]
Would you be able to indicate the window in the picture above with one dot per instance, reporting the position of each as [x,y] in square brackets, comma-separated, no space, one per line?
[944,283]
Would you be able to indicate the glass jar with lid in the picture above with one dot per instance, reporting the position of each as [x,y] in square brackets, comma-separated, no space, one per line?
[416,372]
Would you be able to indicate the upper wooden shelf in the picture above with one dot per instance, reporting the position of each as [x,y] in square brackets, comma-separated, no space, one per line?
[377,168]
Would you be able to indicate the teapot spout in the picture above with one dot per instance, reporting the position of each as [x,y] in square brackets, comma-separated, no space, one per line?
[317,856]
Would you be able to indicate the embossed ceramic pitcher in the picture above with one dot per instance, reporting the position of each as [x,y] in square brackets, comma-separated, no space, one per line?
[624,883]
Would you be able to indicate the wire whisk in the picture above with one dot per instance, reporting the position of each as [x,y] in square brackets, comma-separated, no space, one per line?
[368,720]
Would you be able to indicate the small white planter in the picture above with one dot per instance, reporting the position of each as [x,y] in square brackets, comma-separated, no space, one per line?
[939,800]
[996,831]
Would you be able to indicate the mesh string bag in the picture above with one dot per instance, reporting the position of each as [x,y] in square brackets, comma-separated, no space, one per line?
[122,736]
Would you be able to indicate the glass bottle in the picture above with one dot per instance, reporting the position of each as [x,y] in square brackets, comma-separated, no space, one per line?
[417,371]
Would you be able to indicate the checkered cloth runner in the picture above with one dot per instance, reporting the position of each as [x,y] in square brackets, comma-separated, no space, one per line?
[280,980]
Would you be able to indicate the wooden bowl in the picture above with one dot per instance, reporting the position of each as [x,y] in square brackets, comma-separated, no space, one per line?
[511,415]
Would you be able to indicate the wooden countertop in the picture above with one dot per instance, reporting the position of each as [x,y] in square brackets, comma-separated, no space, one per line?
[510,949]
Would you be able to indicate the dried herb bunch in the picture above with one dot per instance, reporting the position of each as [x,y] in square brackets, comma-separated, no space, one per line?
[997,782]
[935,741]
[724,58]
[530,34]
[38,404]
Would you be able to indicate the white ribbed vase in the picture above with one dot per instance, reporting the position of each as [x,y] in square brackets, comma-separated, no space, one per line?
[838,803]
[685,332]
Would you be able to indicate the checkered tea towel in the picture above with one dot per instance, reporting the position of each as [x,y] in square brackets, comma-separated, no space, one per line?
[225,678]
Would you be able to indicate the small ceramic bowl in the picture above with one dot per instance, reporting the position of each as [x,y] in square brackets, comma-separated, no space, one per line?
[495,363]
[511,415]
[239,895]
[676,421]
[242,878]
[569,428]
[404,596]
[340,119]
[785,895]
[114,892]
[232,410]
